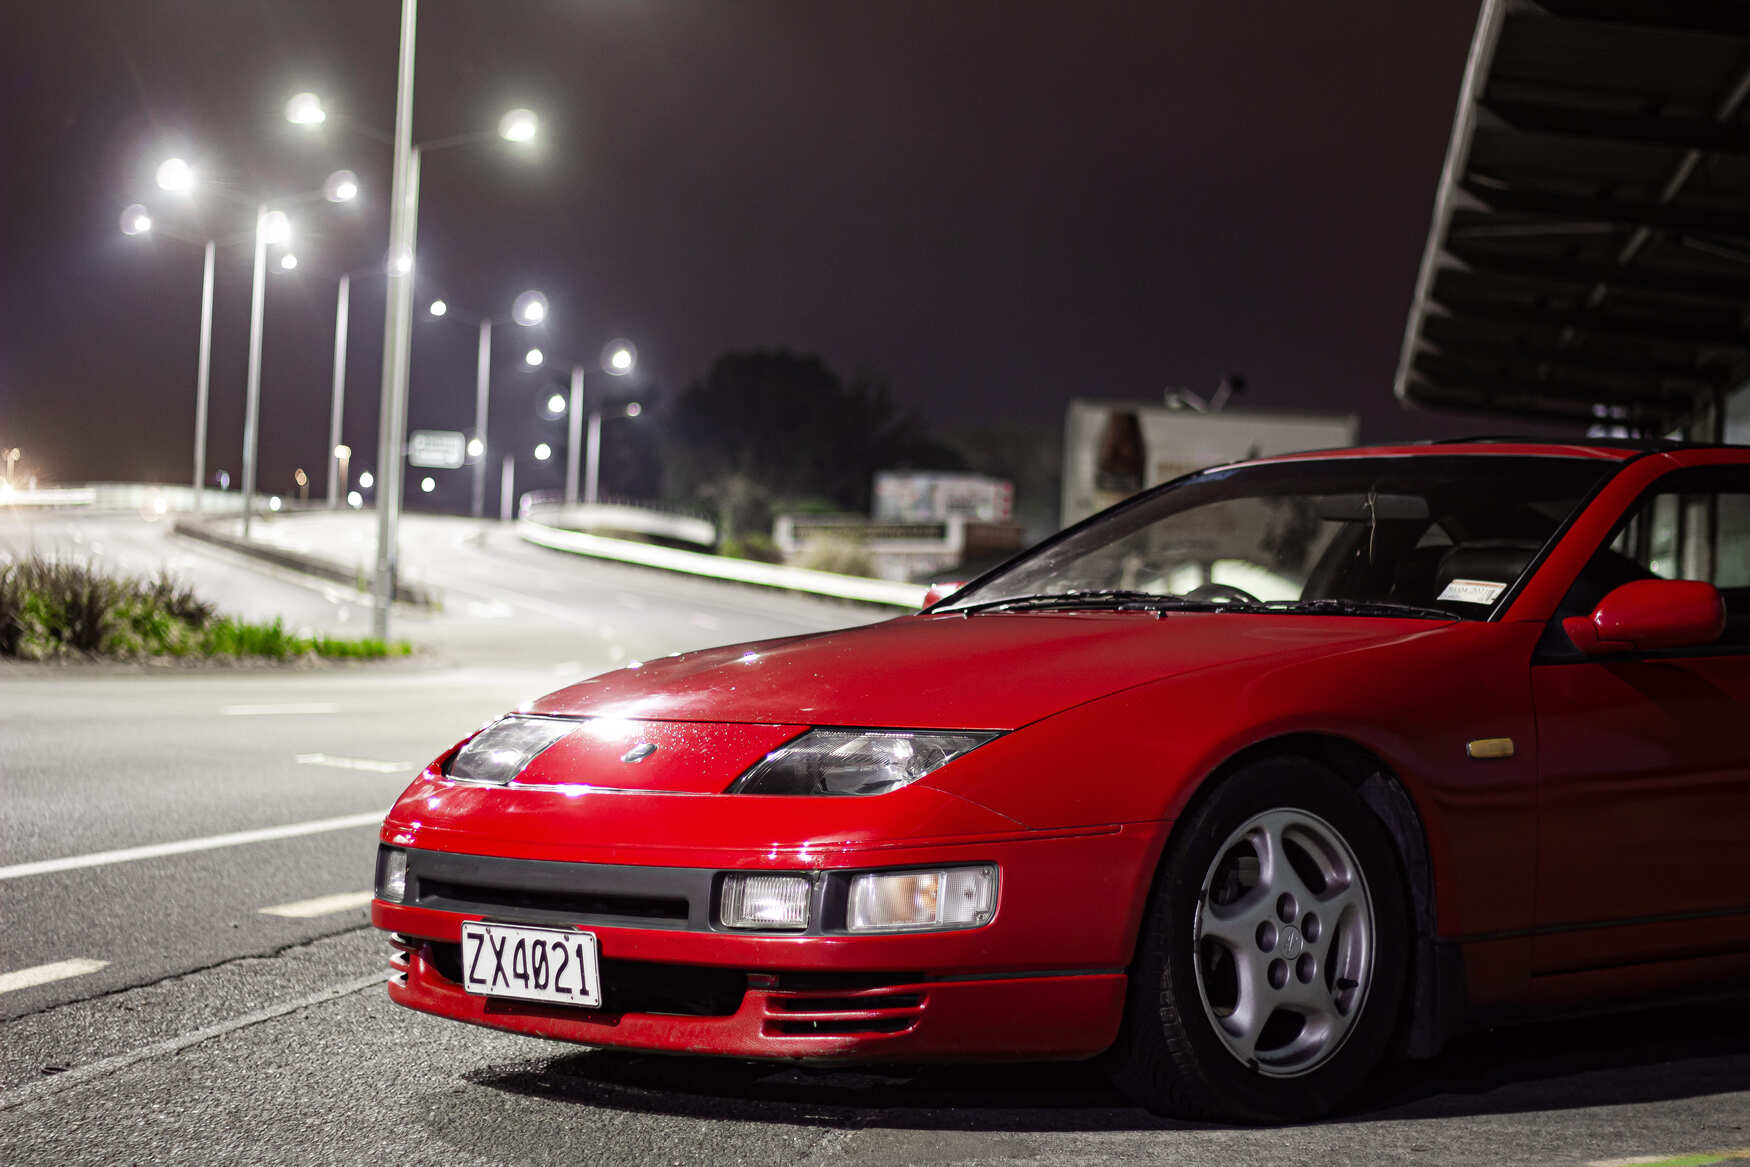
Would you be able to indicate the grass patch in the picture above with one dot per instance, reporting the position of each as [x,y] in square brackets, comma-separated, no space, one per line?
[52,608]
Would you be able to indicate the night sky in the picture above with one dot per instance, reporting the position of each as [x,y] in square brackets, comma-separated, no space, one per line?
[997,205]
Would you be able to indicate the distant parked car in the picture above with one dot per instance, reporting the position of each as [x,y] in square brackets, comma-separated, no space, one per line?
[1242,784]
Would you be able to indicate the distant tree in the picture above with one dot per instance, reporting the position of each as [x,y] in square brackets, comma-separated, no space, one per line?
[764,428]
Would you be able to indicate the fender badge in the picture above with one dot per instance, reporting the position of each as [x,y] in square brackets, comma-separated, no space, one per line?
[638,752]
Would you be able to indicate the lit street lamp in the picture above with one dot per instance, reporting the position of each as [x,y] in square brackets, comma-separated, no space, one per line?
[517,126]
[617,360]
[340,463]
[272,229]
[528,309]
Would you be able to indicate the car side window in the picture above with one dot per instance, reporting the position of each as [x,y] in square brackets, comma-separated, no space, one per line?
[1692,524]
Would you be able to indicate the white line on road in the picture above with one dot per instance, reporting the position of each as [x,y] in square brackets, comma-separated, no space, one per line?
[336,761]
[320,906]
[42,974]
[31,1091]
[183,846]
[275,710]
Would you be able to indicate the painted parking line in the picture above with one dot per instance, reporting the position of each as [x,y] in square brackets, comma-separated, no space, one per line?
[1694,1159]
[319,906]
[286,710]
[42,974]
[183,846]
[338,762]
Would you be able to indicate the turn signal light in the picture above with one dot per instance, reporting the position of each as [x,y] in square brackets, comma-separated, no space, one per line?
[917,901]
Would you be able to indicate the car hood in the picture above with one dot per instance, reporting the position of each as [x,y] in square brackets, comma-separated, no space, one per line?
[985,671]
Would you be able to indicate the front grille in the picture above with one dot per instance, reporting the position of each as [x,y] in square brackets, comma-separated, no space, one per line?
[585,905]
[638,986]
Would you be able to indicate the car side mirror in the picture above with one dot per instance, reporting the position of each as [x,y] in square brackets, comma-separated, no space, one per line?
[1649,615]
[941,591]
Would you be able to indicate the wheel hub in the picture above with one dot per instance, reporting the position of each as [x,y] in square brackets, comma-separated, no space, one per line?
[1284,941]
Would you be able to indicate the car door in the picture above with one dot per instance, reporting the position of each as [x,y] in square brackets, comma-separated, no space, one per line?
[1644,817]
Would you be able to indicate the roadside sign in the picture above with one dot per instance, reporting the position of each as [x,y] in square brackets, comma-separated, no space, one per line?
[437,449]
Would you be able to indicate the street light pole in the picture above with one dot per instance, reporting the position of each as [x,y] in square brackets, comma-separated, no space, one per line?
[482,391]
[200,382]
[397,332]
[593,456]
[574,435]
[336,474]
[252,402]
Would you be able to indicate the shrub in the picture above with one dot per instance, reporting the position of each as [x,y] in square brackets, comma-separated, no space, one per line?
[69,604]
[753,545]
[178,600]
[834,553]
[11,608]
[51,607]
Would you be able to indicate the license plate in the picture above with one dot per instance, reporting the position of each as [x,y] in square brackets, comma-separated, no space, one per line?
[556,965]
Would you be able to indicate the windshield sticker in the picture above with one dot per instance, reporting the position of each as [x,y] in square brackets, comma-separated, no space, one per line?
[1473,591]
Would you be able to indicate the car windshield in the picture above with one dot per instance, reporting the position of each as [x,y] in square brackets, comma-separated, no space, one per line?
[1438,536]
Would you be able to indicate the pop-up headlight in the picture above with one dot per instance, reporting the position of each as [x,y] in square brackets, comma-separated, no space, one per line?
[853,761]
[499,752]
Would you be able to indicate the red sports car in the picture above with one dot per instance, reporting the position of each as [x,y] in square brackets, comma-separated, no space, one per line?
[1243,784]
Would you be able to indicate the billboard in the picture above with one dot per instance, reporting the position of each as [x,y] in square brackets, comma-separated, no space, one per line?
[914,496]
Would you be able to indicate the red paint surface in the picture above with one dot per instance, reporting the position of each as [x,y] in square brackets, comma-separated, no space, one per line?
[1625,806]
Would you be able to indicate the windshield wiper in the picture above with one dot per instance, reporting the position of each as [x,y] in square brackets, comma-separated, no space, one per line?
[1103,599]
[1342,607]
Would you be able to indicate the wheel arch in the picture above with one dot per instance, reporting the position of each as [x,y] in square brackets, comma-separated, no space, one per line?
[1435,996]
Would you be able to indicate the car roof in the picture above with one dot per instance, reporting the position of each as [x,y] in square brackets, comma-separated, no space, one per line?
[1604,449]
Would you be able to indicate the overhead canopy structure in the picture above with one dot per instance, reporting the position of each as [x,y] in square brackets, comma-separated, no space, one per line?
[1590,252]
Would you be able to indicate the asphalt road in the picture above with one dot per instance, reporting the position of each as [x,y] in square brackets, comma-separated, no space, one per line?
[202,1028]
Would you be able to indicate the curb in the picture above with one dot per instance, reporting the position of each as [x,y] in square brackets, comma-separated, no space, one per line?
[770,575]
[312,565]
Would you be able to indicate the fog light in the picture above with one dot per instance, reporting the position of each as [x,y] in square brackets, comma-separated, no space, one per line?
[958,897]
[769,902]
[392,875]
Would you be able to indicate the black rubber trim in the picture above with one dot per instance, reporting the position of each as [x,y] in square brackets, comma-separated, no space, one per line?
[431,873]
[1591,925]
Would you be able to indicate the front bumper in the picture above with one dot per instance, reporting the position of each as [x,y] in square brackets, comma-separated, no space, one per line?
[1067,1016]
[1044,979]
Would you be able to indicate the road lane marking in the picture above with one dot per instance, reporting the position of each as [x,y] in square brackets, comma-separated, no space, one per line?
[42,974]
[1694,1159]
[319,906]
[277,710]
[336,761]
[183,846]
[31,1091]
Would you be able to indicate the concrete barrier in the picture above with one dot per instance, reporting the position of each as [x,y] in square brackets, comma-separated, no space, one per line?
[607,516]
[145,497]
[771,575]
[299,561]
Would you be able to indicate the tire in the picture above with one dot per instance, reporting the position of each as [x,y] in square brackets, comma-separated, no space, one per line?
[1242,1008]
